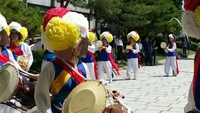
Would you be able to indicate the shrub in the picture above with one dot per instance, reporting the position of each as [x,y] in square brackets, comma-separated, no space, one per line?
[37,62]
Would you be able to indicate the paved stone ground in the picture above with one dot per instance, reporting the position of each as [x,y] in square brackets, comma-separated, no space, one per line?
[154,93]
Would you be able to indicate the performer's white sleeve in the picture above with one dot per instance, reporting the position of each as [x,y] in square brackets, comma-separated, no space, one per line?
[91,48]
[12,60]
[36,46]
[42,97]
[191,104]
[109,49]
[137,49]
[27,52]
[173,48]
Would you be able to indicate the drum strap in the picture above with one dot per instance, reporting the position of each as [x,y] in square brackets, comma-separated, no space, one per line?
[71,72]
[3,58]
[63,77]
[15,49]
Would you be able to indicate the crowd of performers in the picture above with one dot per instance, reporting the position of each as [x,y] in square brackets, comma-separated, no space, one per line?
[68,47]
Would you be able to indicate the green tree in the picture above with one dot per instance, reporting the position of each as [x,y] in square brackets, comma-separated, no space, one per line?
[104,10]
[150,17]
[147,17]
[31,18]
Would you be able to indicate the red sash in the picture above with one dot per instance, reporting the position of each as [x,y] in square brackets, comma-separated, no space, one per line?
[70,71]
[3,58]
[177,69]
[115,66]
[196,70]
[15,49]
[139,60]
[95,64]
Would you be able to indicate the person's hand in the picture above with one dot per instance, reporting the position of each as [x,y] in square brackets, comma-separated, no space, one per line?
[103,47]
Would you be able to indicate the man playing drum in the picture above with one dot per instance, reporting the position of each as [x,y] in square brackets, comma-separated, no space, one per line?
[66,34]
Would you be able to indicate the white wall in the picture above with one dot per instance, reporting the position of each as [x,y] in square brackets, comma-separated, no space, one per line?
[40,2]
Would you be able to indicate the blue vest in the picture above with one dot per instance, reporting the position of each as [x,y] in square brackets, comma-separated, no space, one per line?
[87,59]
[131,54]
[171,53]
[58,99]
[47,55]
[103,55]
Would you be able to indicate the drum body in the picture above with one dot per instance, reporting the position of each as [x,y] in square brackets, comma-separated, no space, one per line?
[16,88]
[115,108]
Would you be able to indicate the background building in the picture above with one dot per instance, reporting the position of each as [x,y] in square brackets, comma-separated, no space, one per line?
[44,5]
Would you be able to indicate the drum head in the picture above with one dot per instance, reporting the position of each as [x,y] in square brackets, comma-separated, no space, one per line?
[8,82]
[23,62]
[163,45]
[98,43]
[129,47]
[88,97]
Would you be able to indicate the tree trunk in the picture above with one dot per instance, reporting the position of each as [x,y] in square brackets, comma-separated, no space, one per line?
[97,17]
[64,3]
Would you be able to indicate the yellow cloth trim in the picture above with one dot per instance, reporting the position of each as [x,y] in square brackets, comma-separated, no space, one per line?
[132,44]
[18,43]
[58,83]
[197,14]
[44,49]
[0,49]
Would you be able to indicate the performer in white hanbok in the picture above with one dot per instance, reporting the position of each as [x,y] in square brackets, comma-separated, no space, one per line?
[171,56]
[105,59]
[66,34]
[132,56]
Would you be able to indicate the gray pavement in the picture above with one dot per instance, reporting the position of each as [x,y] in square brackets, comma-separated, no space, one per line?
[154,93]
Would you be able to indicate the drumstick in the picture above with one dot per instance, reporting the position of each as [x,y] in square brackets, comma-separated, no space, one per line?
[122,96]
[73,69]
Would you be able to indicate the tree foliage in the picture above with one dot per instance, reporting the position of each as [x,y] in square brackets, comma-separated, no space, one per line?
[14,10]
[148,17]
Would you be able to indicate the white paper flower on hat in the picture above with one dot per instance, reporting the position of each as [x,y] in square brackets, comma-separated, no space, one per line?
[4,25]
[63,29]
[107,35]
[22,30]
[172,36]
[134,35]
[80,21]
[15,25]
